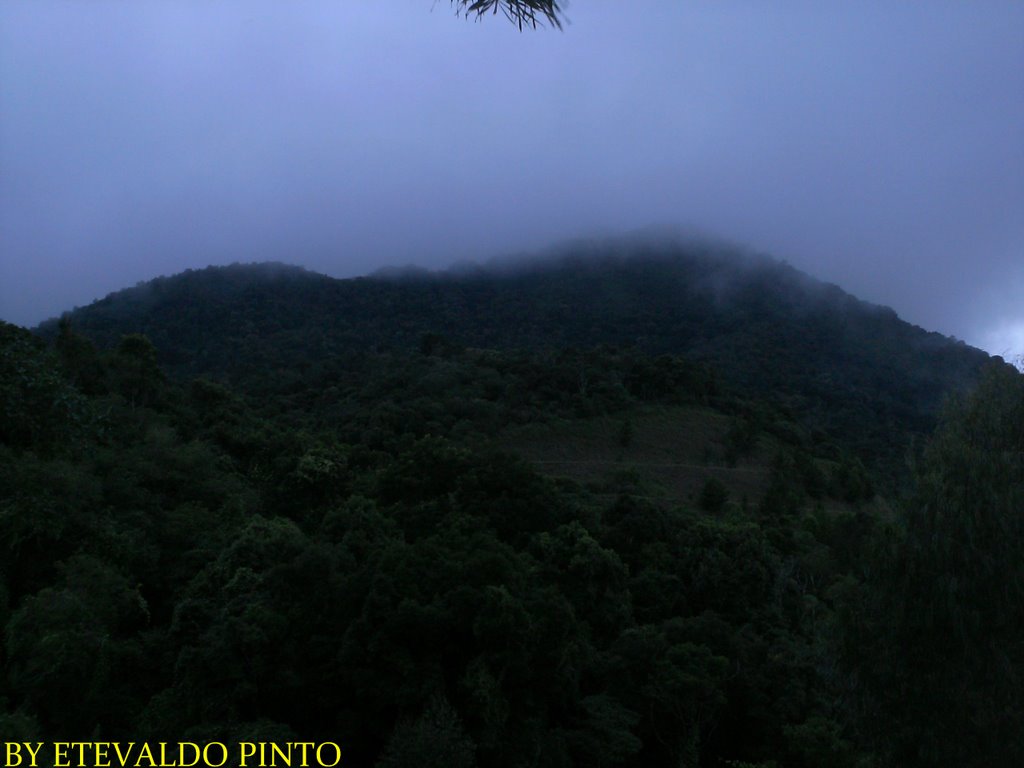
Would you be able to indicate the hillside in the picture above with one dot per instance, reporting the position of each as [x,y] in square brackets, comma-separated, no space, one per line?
[620,508]
[843,366]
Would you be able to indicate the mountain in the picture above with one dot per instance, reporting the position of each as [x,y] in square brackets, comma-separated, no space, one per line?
[627,505]
[846,366]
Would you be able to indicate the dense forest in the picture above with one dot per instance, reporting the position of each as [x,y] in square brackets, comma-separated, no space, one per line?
[620,506]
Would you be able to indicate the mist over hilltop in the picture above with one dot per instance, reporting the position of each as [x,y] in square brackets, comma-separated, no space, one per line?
[873,146]
[766,328]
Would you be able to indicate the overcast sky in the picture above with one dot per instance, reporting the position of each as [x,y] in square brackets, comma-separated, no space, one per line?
[877,145]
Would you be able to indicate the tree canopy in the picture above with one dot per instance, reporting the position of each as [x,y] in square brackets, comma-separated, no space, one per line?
[551,517]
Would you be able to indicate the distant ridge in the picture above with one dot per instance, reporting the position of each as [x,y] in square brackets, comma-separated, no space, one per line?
[765,327]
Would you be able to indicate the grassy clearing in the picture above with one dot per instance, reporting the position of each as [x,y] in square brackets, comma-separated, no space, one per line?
[669,452]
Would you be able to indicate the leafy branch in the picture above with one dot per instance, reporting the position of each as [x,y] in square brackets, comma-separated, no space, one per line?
[522,13]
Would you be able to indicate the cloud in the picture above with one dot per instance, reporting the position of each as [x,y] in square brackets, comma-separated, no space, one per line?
[876,146]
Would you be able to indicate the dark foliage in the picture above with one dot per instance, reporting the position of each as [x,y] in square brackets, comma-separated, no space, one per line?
[520,12]
[843,367]
[309,526]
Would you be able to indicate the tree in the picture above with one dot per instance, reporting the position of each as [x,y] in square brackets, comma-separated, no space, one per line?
[38,408]
[138,374]
[520,12]
[436,738]
[935,635]
[713,495]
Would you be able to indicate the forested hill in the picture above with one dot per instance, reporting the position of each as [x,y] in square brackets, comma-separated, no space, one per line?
[764,327]
[606,509]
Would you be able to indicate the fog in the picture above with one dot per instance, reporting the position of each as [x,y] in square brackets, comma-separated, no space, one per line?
[879,146]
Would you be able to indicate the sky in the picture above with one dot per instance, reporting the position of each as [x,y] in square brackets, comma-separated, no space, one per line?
[875,145]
